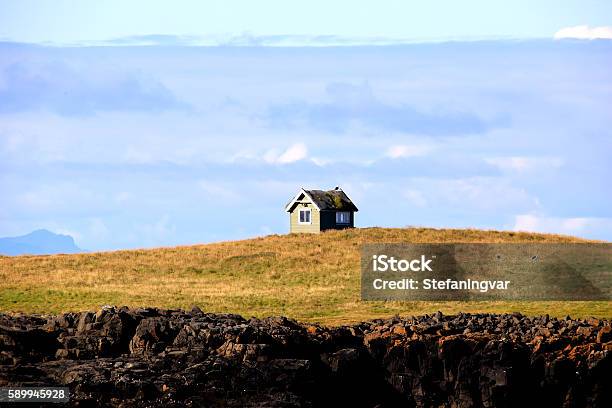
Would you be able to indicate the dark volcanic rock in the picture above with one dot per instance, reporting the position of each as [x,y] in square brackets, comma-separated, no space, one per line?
[122,357]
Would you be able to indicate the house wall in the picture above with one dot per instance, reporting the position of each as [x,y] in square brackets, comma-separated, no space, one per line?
[315,218]
[328,221]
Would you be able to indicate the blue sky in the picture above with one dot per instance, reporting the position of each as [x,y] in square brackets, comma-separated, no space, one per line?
[124,146]
[73,21]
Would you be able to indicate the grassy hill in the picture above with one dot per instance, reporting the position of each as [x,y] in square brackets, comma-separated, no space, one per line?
[308,277]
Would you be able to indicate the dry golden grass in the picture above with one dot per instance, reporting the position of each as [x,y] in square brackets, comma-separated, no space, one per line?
[308,277]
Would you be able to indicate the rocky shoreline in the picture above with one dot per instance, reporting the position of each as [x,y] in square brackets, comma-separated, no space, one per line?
[122,357]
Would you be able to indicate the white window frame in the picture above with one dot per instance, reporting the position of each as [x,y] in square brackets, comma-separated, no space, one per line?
[338,217]
[309,211]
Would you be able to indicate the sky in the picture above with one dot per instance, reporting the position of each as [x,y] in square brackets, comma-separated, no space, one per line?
[495,119]
[75,21]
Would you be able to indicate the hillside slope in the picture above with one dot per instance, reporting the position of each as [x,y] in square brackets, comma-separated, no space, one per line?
[309,277]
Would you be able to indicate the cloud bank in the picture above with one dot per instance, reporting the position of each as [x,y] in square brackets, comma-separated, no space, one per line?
[157,146]
[58,88]
[294,153]
[356,105]
[584,32]
[577,226]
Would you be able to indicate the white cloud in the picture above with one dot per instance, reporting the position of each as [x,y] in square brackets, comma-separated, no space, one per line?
[294,153]
[583,226]
[522,164]
[584,32]
[403,151]
[320,161]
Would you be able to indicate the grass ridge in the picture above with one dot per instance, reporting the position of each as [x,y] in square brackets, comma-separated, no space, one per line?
[308,277]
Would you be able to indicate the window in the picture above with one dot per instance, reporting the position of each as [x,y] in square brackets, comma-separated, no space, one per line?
[304,216]
[343,217]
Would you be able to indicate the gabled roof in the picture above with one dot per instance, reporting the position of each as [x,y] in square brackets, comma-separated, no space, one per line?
[331,200]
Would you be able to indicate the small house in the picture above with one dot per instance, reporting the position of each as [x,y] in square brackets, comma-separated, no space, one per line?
[319,210]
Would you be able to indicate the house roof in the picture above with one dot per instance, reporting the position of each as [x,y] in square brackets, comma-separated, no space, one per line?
[326,200]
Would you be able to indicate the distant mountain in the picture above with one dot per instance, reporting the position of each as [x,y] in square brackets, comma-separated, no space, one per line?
[39,242]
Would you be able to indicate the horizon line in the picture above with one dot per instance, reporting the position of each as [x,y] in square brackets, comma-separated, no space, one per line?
[278,41]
